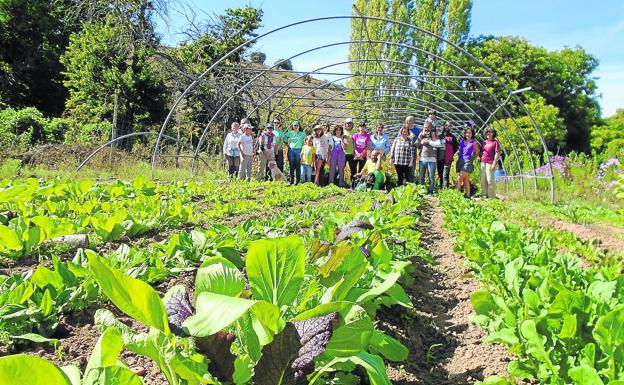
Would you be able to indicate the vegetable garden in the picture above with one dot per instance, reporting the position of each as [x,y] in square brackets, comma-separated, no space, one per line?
[140,281]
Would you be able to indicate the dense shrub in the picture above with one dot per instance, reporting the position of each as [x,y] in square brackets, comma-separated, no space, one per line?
[24,127]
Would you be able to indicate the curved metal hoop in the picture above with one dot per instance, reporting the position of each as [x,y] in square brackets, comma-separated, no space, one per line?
[454,111]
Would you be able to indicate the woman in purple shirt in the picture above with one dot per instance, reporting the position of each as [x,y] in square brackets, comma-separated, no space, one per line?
[468,150]
[361,143]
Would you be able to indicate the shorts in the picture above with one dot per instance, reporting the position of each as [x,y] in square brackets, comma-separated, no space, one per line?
[464,166]
[320,157]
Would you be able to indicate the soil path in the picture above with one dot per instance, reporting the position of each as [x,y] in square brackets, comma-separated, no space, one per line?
[445,348]
[606,237]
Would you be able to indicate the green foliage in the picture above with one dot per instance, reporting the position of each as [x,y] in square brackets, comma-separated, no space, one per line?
[26,127]
[563,78]
[549,121]
[101,63]
[284,64]
[607,139]
[562,321]
[257,57]
[33,35]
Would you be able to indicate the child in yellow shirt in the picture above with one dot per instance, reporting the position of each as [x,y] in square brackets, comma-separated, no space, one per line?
[307,160]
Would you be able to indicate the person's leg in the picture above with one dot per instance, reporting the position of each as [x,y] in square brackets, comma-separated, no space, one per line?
[341,168]
[317,174]
[351,163]
[421,172]
[491,181]
[333,163]
[236,166]
[398,169]
[279,159]
[379,179]
[304,173]
[241,168]
[484,182]
[291,164]
[431,167]
[360,164]
[467,186]
[297,161]
[446,173]
[441,172]
[262,165]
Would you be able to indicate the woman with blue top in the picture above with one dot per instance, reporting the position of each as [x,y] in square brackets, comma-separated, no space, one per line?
[468,150]
[380,141]
[230,150]
[295,139]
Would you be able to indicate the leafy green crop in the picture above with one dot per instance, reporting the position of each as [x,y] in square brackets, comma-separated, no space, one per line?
[562,321]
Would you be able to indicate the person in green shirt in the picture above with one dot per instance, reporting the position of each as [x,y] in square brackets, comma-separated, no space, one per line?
[348,133]
[295,139]
[279,140]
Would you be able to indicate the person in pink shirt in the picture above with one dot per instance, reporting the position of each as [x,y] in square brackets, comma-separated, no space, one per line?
[361,144]
[490,154]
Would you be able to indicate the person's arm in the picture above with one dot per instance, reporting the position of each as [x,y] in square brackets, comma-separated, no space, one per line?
[477,149]
[378,164]
[412,149]
[392,149]
[225,145]
[240,147]
[387,144]
[497,152]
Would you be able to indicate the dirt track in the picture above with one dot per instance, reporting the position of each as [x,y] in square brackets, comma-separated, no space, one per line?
[445,348]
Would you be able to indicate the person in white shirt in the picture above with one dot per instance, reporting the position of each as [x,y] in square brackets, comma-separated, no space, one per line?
[322,145]
[245,148]
[428,142]
[230,149]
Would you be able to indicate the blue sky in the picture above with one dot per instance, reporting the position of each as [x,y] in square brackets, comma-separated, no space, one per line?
[553,24]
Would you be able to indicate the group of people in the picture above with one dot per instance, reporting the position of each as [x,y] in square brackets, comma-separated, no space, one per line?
[414,152]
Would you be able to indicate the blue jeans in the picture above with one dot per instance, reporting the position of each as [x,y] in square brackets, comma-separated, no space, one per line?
[294,161]
[306,170]
[429,166]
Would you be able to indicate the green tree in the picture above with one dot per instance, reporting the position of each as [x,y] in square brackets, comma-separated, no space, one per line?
[607,139]
[100,62]
[33,35]
[564,78]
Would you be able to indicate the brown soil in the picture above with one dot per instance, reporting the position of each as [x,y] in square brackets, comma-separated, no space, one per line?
[606,237]
[78,335]
[445,348]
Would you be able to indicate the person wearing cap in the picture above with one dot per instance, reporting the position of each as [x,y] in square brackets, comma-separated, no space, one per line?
[361,145]
[322,147]
[230,149]
[380,141]
[245,148]
[295,140]
[279,144]
[266,150]
[490,154]
[348,133]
